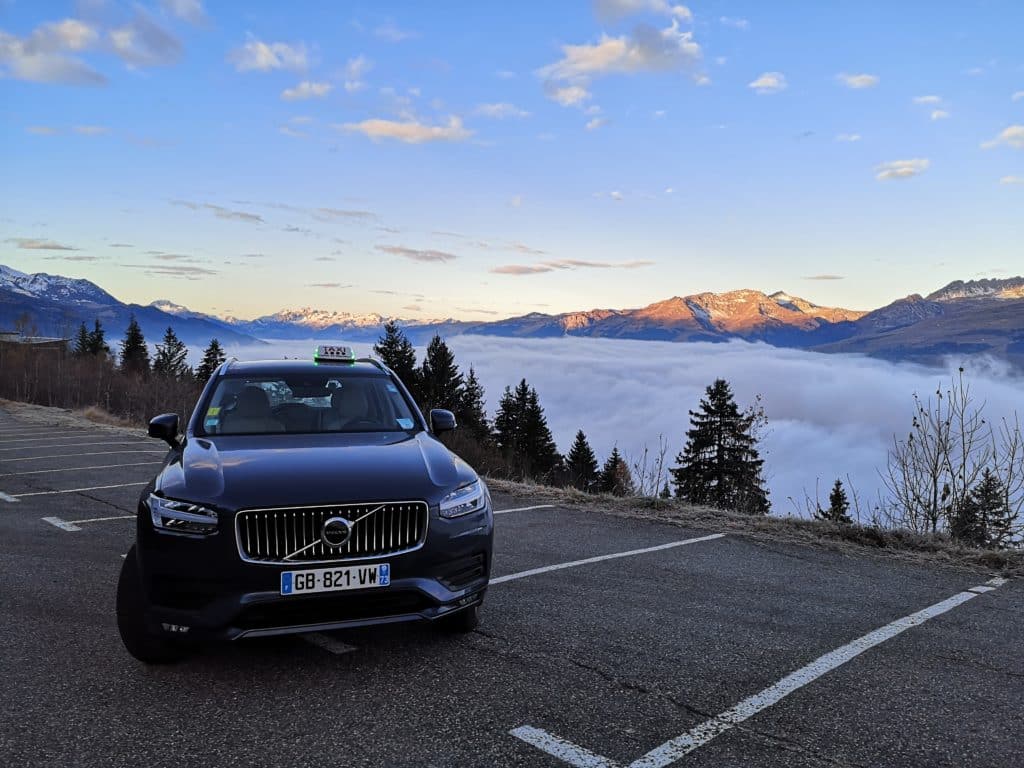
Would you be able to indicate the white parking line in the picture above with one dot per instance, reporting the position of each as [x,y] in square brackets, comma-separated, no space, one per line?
[676,748]
[329,644]
[46,436]
[64,525]
[79,469]
[79,490]
[71,455]
[523,509]
[77,445]
[8,499]
[600,558]
[72,525]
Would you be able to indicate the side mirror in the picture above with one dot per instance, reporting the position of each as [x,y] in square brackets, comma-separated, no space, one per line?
[442,421]
[165,427]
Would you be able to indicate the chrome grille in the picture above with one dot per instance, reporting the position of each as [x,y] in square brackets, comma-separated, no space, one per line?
[292,534]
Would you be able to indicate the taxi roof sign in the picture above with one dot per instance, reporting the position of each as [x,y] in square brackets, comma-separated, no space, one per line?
[334,353]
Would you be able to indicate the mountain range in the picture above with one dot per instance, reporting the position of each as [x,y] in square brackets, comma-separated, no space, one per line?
[962,318]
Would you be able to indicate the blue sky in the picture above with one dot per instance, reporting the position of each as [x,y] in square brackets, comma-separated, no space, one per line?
[458,159]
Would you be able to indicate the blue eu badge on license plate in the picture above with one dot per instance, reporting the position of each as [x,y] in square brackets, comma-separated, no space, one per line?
[384,574]
[286,583]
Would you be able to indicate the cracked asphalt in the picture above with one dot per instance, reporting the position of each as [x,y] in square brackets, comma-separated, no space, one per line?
[617,656]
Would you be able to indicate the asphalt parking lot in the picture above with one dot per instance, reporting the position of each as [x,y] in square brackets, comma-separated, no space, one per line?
[604,641]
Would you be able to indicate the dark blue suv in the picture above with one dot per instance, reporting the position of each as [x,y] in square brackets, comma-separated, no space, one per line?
[303,496]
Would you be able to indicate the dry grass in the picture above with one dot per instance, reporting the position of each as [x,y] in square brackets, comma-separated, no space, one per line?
[900,544]
[93,417]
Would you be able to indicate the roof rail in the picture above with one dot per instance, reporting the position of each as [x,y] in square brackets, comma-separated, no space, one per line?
[374,361]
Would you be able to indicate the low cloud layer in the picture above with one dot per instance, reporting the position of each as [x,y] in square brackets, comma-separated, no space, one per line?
[829,415]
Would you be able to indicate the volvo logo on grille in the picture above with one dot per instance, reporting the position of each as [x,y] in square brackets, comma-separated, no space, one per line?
[336,531]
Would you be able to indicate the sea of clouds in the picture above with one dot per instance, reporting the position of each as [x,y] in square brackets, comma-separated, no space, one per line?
[829,415]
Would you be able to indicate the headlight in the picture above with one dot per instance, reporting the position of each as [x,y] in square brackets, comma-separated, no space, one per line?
[181,516]
[463,500]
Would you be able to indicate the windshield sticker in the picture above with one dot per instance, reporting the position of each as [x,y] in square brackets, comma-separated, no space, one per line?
[405,423]
[213,411]
[392,388]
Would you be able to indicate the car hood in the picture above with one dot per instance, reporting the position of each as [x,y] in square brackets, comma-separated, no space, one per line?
[241,472]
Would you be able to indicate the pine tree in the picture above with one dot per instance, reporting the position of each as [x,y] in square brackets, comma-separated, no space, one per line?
[838,510]
[440,380]
[666,492]
[985,518]
[134,353]
[471,415]
[82,342]
[522,432]
[615,475]
[397,353]
[540,445]
[170,360]
[720,465]
[213,356]
[581,464]
[98,340]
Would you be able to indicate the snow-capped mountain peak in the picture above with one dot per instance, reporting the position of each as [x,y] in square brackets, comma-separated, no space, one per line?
[52,287]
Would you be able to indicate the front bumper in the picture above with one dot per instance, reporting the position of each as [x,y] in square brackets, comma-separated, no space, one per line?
[200,590]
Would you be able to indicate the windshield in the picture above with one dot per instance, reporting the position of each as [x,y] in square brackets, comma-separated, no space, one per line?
[245,405]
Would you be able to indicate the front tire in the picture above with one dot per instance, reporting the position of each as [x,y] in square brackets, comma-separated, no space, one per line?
[462,622]
[131,619]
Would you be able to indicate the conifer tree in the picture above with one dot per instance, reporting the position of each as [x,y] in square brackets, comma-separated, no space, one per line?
[720,465]
[581,464]
[440,380]
[522,432]
[98,340]
[397,353]
[213,356]
[838,510]
[471,415]
[615,475]
[170,360]
[134,353]
[985,518]
[82,342]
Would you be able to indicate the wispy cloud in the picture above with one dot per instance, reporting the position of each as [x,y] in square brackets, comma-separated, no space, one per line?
[35,244]
[768,83]
[329,285]
[190,11]
[825,277]
[500,110]
[646,50]
[857,82]
[566,264]
[566,95]
[939,114]
[1012,180]
[46,55]
[144,43]
[392,33]
[848,137]
[417,255]
[355,70]
[73,258]
[328,214]
[1013,136]
[91,130]
[932,99]
[1017,96]
[597,122]
[41,130]
[256,55]
[735,23]
[901,169]
[617,9]
[220,212]
[173,270]
[307,89]
[410,131]
[121,245]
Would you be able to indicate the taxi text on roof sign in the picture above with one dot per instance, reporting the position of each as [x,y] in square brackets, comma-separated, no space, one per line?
[334,353]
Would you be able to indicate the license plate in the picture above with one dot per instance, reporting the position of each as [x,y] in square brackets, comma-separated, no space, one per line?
[335,579]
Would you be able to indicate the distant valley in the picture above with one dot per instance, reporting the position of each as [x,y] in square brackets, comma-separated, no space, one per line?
[962,318]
